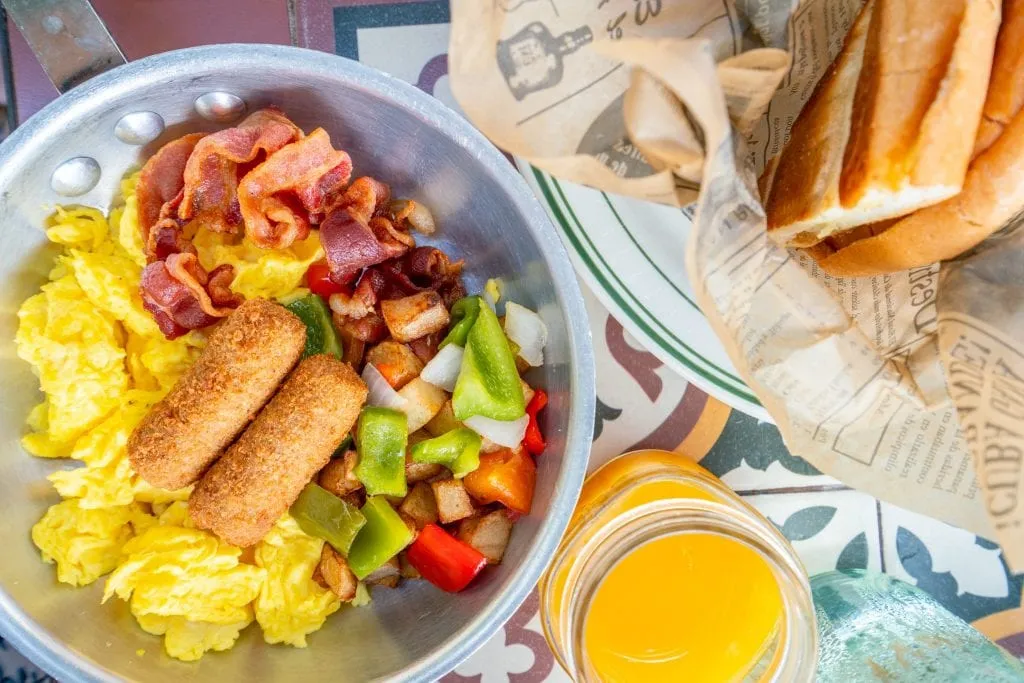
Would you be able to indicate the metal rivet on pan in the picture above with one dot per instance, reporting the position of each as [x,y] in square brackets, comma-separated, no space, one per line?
[75,176]
[220,106]
[139,127]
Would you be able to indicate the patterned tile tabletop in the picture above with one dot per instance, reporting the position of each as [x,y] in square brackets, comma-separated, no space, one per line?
[641,403]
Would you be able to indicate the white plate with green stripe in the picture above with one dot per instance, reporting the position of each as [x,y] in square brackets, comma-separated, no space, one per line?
[631,254]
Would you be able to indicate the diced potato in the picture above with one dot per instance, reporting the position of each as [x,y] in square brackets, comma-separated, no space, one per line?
[488,446]
[444,421]
[408,571]
[410,523]
[334,574]
[386,575]
[421,471]
[339,477]
[521,365]
[528,391]
[415,316]
[352,348]
[420,505]
[425,401]
[453,503]
[489,534]
[356,499]
[396,362]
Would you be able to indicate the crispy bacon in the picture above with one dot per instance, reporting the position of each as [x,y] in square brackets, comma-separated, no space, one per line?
[182,297]
[364,198]
[423,268]
[211,174]
[266,175]
[272,197]
[161,181]
[321,197]
[351,244]
[370,328]
[166,238]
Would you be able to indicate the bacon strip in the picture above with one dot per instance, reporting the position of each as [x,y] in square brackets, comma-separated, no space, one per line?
[364,198]
[275,197]
[321,197]
[352,245]
[175,292]
[211,174]
[423,268]
[161,182]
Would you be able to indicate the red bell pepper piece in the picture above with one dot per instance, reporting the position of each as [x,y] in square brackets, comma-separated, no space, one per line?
[507,477]
[444,560]
[534,440]
[318,279]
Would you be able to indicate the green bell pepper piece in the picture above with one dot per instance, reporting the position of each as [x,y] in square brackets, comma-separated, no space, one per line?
[322,514]
[488,382]
[381,437]
[314,313]
[463,314]
[383,537]
[458,450]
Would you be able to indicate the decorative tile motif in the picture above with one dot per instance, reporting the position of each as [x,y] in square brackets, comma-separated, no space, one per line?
[830,530]
[966,573]
[750,455]
[14,668]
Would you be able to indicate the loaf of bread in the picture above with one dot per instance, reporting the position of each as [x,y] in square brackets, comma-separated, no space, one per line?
[1006,87]
[993,192]
[891,126]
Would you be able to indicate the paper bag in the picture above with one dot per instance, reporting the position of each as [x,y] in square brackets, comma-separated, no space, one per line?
[907,386]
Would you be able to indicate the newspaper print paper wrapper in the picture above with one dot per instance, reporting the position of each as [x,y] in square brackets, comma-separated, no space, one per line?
[659,100]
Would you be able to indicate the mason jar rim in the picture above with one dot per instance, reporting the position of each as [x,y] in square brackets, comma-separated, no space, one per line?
[589,554]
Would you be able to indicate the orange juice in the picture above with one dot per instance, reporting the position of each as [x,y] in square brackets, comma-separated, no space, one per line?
[666,575]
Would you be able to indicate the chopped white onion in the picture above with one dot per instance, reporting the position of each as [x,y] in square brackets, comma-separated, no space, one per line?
[381,394]
[489,300]
[528,331]
[443,369]
[508,434]
[421,219]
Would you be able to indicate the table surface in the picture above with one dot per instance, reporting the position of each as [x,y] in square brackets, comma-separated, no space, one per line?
[640,403]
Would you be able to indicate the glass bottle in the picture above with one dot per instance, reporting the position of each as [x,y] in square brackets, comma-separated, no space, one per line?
[531,60]
[643,498]
[873,627]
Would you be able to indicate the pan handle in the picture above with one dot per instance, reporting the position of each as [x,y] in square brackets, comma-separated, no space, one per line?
[68,38]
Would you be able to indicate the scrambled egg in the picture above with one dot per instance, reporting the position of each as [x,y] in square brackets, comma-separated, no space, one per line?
[102,363]
[85,543]
[77,353]
[266,273]
[107,478]
[290,604]
[186,584]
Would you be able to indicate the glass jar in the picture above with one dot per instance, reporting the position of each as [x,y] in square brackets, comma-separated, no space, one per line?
[877,628]
[666,574]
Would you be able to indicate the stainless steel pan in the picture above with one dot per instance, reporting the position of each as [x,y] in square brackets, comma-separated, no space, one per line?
[77,149]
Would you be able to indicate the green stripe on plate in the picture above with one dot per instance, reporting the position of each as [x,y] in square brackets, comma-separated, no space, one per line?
[629,233]
[690,358]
